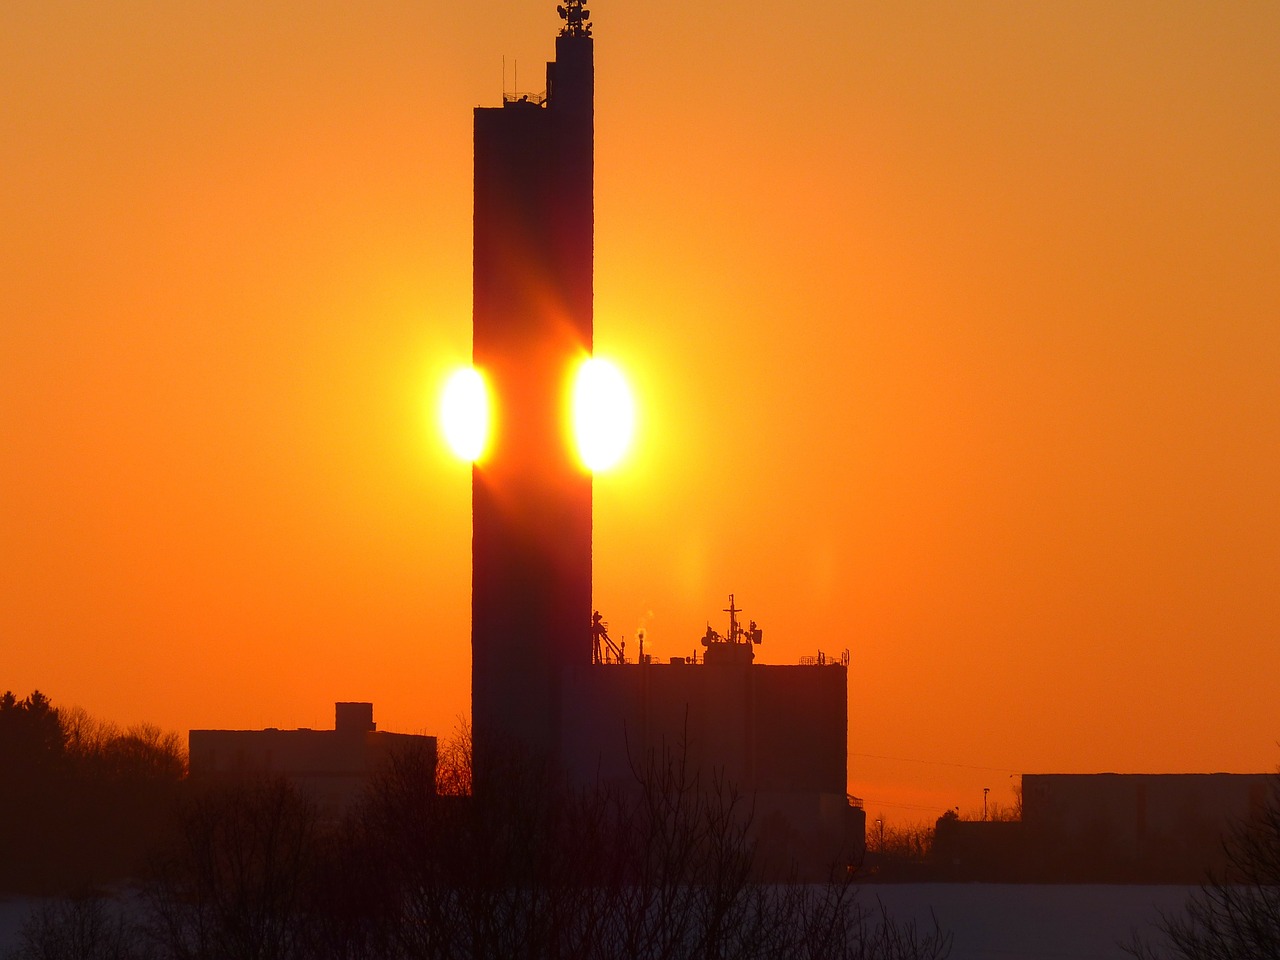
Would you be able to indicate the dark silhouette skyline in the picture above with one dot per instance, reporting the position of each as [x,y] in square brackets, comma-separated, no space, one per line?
[952,332]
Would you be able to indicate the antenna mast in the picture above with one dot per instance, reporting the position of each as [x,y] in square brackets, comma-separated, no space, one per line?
[575,17]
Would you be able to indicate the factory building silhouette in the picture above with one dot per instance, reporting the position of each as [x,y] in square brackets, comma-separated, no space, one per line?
[532,326]
[547,681]
[332,766]
[549,686]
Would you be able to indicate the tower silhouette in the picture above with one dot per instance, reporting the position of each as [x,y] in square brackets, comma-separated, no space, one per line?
[777,732]
[532,326]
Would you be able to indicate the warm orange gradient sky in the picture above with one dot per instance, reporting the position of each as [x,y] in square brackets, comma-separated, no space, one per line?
[954,328]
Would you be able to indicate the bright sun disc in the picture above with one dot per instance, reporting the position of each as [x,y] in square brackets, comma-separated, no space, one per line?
[464,413]
[603,414]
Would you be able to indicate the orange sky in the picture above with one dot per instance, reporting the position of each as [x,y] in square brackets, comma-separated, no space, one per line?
[955,330]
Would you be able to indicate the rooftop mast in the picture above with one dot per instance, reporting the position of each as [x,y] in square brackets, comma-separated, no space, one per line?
[574,15]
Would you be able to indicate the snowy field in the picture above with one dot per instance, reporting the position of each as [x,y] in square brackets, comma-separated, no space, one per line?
[989,921]
[993,921]
[12,913]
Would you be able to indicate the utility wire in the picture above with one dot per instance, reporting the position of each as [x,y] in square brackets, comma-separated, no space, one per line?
[895,803]
[935,763]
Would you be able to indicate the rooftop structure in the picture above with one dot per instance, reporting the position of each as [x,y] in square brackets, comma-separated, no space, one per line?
[333,766]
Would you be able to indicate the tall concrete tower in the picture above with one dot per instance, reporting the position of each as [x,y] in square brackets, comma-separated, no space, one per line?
[532,326]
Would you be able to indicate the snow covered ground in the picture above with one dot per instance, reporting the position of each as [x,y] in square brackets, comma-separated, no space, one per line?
[12,912]
[989,921]
[992,921]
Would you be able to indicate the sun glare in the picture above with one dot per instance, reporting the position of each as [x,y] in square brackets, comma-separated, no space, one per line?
[603,414]
[464,413]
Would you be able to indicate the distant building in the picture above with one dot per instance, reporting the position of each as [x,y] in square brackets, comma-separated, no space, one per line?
[981,850]
[1106,828]
[1140,826]
[333,766]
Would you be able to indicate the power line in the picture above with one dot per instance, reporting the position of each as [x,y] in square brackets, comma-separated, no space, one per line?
[935,763]
[896,804]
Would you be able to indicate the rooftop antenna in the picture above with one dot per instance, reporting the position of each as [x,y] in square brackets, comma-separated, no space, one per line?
[576,19]
[733,612]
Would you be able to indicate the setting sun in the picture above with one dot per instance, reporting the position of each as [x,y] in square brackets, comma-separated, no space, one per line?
[464,413]
[603,414]
[980,392]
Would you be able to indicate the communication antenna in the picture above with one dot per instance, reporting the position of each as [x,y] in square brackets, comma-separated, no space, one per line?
[575,17]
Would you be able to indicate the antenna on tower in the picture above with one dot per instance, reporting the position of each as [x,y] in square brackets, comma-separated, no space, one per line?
[576,19]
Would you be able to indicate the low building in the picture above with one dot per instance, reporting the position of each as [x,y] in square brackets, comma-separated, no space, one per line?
[990,851]
[333,766]
[1105,828]
[1136,826]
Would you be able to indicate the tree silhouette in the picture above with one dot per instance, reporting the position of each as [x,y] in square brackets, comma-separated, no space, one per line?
[31,737]
[83,927]
[539,869]
[235,882]
[81,801]
[531,868]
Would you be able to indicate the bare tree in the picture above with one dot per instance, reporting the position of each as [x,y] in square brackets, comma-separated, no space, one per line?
[234,883]
[83,927]
[539,869]
[531,868]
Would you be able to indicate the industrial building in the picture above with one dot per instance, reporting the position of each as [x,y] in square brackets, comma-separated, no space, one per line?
[1155,827]
[548,686]
[774,733]
[1106,828]
[331,766]
[543,686]
[532,326]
